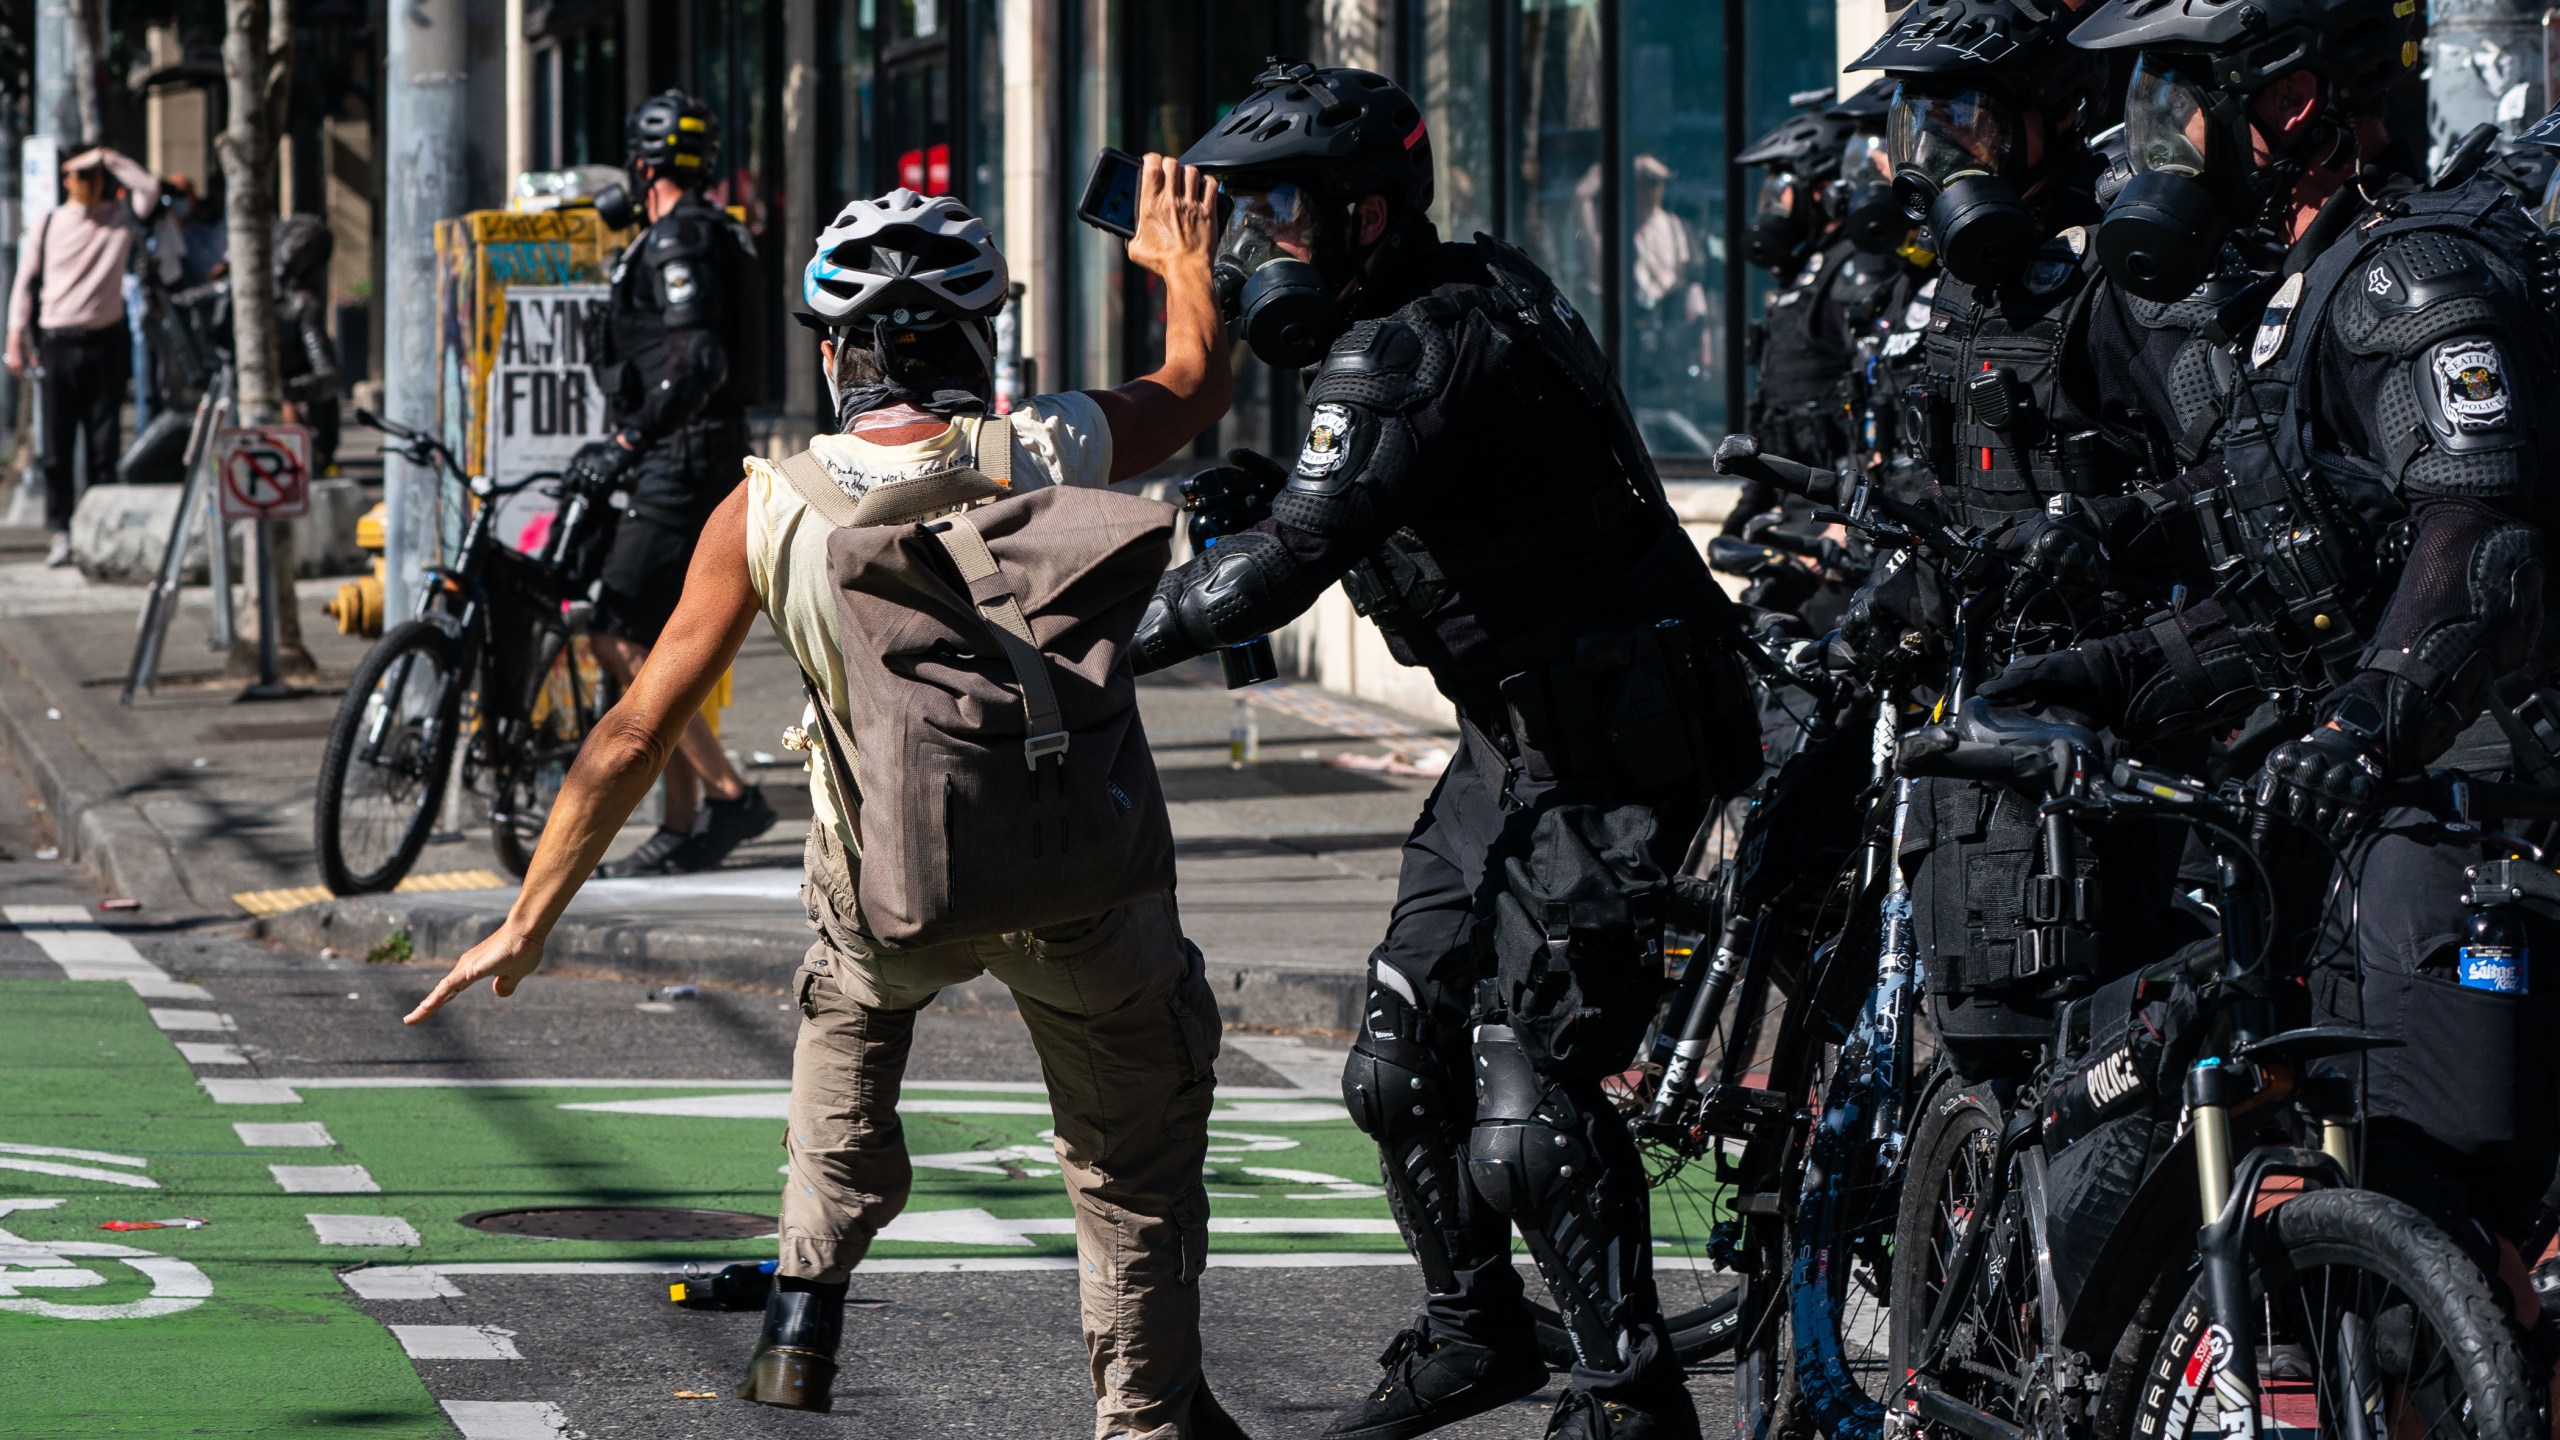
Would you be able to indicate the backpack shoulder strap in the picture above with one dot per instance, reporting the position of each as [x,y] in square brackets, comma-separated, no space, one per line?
[991,448]
[808,475]
[994,596]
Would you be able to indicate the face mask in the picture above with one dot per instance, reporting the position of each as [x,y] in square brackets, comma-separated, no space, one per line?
[613,207]
[1870,216]
[1775,238]
[1281,305]
[2165,228]
[1951,152]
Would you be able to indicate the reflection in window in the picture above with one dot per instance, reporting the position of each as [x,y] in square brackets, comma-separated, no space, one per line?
[1672,209]
[1560,183]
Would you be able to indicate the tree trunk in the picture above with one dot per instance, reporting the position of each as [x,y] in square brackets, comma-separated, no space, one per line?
[251,66]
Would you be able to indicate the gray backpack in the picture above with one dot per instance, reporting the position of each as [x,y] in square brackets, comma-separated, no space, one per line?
[998,775]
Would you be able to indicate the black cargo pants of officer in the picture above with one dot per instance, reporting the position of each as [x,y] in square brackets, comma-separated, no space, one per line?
[1419,1066]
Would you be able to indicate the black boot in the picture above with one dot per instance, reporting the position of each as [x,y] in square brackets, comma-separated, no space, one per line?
[1434,1380]
[1664,1414]
[795,1361]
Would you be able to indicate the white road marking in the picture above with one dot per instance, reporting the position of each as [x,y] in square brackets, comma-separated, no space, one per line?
[974,1087]
[78,1172]
[168,1019]
[46,1265]
[324,1180]
[284,1135]
[506,1419]
[248,1092]
[87,951]
[1314,1068]
[199,1052]
[363,1230]
[399,1282]
[955,1227]
[104,1156]
[457,1342]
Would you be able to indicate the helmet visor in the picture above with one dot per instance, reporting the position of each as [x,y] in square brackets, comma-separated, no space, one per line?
[2164,121]
[1866,160]
[1947,135]
[1268,224]
[1777,196]
[2548,212]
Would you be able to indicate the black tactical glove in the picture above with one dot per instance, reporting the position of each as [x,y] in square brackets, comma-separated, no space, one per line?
[2062,547]
[1235,496]
[2325,780]
[2084,678]
[598,464]
[1891,608]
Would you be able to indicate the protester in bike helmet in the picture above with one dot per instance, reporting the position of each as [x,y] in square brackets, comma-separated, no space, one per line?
[676,348]
[1473,478]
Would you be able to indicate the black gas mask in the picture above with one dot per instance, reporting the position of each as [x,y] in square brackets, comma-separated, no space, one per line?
[1781,222]
[1282,306]
[1869,215]
[1953,152]
[2194,177]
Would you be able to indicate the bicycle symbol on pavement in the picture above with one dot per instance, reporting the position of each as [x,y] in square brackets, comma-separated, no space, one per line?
[49,1267]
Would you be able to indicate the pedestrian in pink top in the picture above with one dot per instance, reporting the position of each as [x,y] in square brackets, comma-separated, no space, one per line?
[66,317]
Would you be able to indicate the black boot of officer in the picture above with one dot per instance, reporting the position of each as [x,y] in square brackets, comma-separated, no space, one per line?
[1560,605]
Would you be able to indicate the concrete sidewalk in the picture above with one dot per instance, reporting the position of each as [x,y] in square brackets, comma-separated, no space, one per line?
[192,797]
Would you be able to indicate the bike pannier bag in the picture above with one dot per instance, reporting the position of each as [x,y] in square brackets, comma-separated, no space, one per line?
[1003,780]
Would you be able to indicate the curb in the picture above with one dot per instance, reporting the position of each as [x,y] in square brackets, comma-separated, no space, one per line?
[657,952]
[95,823]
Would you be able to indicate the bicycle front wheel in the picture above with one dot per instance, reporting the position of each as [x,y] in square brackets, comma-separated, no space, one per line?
[2370,1322]
[390,750]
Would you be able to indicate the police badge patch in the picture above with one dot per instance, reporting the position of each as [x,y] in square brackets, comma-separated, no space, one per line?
[679,281]
[2471,385]
[1328,440]
[2277,319]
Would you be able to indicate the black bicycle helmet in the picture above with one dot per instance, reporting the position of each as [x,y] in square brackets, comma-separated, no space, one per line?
[2024,45]
[1867,107]
[1806,144]
[2361,47]
[1349,133]
[673,136]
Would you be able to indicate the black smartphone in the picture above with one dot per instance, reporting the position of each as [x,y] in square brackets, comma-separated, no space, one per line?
[1111,196]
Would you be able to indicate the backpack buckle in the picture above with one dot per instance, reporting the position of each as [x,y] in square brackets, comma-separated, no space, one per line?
[1040,747]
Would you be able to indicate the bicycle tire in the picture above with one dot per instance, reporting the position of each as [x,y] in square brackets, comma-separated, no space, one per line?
[1700,1332]
[1951,1159]
[1832,1326]
[410,641]
[2385,1248]
[526,784]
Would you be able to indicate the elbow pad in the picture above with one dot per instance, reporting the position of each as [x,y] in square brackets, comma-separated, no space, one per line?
[1248,586]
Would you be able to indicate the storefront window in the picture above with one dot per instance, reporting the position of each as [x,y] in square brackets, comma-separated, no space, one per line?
[1455,61]
[1671,210]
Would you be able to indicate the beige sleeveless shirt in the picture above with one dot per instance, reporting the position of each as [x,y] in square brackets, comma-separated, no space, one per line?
[1057,440]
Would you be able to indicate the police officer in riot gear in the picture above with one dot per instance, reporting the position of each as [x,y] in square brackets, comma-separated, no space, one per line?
[2043,386]
[1802,354]
[1471,474]
[2372,531]
[673,339]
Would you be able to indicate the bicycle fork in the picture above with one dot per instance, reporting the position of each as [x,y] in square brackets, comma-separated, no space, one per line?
[2231,1340]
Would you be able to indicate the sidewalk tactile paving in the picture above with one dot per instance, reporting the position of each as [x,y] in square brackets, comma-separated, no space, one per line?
[324,1180]
[293,897]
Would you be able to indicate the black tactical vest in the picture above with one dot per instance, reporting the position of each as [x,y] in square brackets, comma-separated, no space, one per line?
[1994,412]
[2305,543]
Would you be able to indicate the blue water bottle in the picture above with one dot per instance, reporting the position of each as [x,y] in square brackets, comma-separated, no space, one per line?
[2496,955]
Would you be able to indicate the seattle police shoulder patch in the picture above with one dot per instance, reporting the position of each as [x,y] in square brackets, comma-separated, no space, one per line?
[1328,440]
[679,282]
[2471,385]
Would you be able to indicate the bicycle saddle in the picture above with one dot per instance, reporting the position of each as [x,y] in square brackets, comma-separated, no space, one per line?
[1981,723]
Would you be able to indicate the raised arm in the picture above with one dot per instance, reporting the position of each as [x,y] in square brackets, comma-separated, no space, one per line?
[1154,416]
[622,758]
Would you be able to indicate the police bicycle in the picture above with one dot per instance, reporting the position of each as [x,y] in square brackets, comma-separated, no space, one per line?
[494,665]
[2158,1232]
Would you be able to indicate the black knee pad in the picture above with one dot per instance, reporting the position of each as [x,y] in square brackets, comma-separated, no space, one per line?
[1526,1152]
[1395,1083]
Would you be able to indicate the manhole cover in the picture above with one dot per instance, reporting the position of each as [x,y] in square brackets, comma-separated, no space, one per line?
[622,1222]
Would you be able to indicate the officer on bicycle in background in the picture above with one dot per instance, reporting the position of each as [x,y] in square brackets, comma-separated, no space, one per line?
[1548,588]
[2371,531]
[2043,386]
[1795,235]
[672,340]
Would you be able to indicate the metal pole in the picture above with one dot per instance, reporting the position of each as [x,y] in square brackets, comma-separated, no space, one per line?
[426,132]
[57,104]
[1737,276]
[270,686]
[2486,68]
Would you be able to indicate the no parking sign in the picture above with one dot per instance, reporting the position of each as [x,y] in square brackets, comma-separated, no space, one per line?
[266,472]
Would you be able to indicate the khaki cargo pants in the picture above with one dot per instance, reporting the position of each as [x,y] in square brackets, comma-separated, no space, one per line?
[1126,1027]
